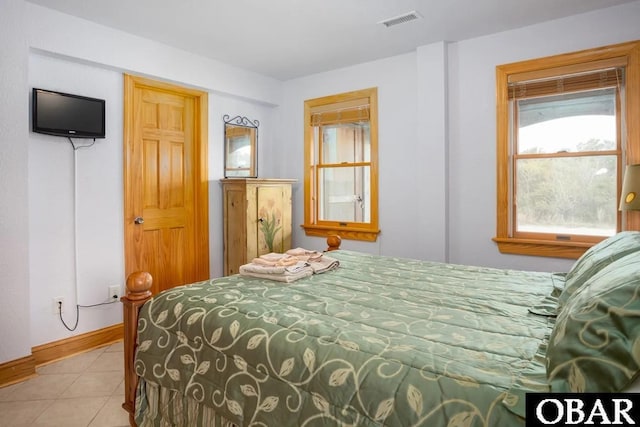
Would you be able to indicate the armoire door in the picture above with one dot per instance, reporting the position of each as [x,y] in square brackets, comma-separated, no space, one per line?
[273,218]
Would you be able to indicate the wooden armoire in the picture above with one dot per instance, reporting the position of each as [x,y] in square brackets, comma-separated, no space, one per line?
[257,219]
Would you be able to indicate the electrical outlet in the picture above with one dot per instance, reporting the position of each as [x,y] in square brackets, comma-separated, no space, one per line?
[58,305]
[115,291]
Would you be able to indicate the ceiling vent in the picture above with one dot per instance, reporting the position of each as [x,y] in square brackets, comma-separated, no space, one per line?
[401,19]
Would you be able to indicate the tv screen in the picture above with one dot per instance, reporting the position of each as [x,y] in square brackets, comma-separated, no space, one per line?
[64,114]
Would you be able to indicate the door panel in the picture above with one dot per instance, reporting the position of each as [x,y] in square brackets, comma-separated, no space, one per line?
[271,209]
[237,239]
[163,165]
[151,161]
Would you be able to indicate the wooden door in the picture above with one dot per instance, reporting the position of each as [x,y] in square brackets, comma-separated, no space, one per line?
[165,182]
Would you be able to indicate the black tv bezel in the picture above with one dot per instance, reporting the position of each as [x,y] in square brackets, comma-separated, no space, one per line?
[70,133]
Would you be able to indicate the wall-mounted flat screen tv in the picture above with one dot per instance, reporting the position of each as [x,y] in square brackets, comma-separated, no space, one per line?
[64,114]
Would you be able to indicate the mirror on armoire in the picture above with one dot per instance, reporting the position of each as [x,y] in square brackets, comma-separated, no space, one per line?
[240,147]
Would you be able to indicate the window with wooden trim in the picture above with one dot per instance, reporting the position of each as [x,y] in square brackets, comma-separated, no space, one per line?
[341,165]
[563,138]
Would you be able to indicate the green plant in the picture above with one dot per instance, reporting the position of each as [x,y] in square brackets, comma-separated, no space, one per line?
[269,227]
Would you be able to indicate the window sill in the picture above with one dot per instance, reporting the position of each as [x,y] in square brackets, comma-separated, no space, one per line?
[544,248]
[348,233]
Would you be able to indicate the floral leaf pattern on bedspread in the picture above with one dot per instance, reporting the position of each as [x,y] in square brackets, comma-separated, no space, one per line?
[379,341]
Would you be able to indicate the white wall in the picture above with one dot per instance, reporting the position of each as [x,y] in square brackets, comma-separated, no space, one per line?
[99,200]
[472,121]
[99,221]
[437,136]
[47,49]
[411,150]
[52,220]
[66,35]
[14,233]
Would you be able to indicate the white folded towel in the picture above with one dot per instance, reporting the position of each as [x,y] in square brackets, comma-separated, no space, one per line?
[304,254]
[252,267]
[288,267]
[274,259]
[323,264]
[286,276]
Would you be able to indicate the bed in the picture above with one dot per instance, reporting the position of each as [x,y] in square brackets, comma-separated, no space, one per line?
[382,341]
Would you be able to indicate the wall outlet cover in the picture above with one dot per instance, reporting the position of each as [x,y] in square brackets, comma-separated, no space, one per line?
[115,292]
[57,308]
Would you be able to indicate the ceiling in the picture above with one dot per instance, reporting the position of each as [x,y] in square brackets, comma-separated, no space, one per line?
[285,39]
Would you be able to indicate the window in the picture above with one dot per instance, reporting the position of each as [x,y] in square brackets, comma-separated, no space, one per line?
[341,168]
[566,158]
[563,127]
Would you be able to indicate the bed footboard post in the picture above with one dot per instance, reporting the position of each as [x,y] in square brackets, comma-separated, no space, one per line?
[333,242]
[138,292]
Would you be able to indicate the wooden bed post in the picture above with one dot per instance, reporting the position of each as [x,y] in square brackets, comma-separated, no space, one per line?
[333,242]
[138,292]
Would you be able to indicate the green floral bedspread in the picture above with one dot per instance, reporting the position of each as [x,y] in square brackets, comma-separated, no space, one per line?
[379,341]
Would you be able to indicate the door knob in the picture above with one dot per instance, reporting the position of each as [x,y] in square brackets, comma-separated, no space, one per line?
[139,220]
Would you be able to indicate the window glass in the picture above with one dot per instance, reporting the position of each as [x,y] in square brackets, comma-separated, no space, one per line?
[564,181]
[346,143]
[567,195]
[344,194]
[574,122]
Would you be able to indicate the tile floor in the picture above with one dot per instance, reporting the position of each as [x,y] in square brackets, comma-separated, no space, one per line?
[83,390]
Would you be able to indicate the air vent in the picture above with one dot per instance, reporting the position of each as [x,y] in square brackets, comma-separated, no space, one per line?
[401,19]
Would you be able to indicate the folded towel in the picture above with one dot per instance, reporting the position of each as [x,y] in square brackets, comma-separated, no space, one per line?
[290,266]
[323,264]
[304,254]
[286,276]
[275,260]
[267,269]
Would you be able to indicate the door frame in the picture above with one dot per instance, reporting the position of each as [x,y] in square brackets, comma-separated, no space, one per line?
[201,181]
